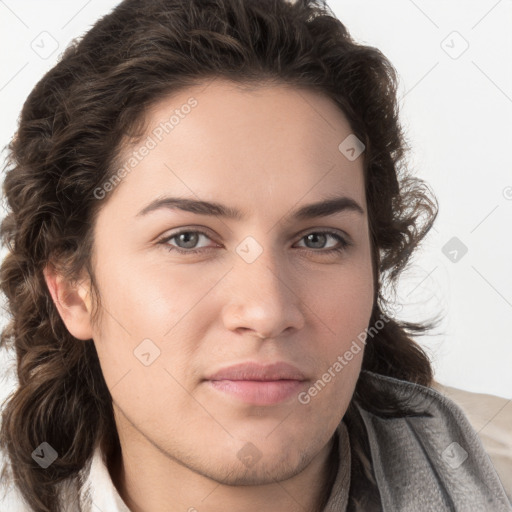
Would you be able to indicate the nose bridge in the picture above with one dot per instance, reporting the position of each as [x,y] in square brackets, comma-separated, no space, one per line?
[261,269]
[264,300]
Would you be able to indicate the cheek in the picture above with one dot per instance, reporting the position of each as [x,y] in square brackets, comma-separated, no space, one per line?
[327,399]
[344,314]
[147,376]
[343,302]
[147,300]
[148,334]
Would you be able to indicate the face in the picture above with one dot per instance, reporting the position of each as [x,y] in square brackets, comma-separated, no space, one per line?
[186,294]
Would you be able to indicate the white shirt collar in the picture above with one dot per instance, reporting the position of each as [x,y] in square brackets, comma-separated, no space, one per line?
[100,489]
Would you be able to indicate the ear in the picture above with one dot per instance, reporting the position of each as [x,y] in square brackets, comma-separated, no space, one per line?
[72,301]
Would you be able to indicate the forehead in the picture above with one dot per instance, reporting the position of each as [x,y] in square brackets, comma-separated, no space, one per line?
[223,141]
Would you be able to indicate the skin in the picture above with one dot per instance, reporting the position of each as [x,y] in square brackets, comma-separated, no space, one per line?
[266,151]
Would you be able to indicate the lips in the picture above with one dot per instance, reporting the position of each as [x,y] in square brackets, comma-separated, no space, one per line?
[259,372]
[258,384]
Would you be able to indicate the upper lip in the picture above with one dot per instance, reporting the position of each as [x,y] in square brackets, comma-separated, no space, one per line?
[255,371]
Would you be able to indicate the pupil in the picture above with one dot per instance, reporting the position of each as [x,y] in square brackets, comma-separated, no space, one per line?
[187,235]
[315,235]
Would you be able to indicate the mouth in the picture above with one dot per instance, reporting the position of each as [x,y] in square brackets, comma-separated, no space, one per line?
[259,392]
[258,384]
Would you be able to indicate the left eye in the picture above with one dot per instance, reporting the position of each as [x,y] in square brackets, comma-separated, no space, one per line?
[190,238]
[343,244]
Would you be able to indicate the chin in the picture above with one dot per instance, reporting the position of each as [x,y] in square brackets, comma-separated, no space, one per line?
[266,470]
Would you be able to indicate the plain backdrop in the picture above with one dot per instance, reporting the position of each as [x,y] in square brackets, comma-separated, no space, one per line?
[453,59]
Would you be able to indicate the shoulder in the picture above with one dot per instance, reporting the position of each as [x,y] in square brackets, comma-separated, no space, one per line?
[430,458]
[10,496]
[491,418]
[12,500]
[72,495]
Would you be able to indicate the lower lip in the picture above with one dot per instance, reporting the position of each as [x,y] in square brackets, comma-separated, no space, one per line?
[259,392]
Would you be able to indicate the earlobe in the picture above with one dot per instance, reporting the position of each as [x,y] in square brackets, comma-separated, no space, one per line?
[72,302]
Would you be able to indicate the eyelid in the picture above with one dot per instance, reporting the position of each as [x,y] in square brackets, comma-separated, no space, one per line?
[189,229]
[317,229]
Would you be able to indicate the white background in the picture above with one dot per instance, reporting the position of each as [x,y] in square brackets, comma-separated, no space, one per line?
[456,108]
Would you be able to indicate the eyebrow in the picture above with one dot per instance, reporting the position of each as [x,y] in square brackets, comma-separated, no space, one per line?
[325,208]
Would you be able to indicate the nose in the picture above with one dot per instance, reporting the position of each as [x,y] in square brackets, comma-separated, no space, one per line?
[264,297]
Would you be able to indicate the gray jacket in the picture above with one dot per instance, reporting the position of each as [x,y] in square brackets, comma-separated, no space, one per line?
[433,461]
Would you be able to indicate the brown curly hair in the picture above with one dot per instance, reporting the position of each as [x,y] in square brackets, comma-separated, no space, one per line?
[72,128]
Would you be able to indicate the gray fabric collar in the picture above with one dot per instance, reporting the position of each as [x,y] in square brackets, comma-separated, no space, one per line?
[338,499]
[434,462]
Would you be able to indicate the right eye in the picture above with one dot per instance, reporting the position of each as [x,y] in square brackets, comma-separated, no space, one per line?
[188,238]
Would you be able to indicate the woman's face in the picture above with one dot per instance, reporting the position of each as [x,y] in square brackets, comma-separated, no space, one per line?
[261,287]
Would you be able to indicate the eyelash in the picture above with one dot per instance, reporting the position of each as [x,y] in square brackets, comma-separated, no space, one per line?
[344,243]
